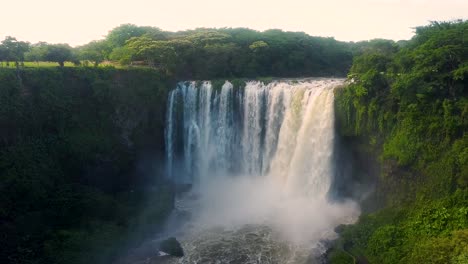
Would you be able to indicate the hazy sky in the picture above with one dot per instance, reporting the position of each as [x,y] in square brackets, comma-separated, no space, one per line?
[79,21]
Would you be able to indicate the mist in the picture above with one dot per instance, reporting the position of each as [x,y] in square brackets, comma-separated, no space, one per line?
[231,203]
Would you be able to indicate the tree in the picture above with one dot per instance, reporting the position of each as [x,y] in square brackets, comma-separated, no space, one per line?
[119,35]
[95,51]
[59,53]
[202,37]
[206,53]
[156,53]
[257,45]
[219,59]
[37,52]
[3,55]
[13,50]
[123,55]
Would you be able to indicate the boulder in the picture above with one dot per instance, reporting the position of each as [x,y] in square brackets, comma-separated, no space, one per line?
[172,247]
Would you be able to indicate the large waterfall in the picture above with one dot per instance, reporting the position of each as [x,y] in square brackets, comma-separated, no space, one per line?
[260,159]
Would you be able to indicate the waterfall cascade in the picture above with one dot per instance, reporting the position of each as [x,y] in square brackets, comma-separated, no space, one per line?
[260,158]
[282,130]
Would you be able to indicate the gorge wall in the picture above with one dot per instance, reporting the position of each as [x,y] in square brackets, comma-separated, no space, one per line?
[79,148]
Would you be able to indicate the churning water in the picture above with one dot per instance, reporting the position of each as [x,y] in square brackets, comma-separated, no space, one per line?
[260,161]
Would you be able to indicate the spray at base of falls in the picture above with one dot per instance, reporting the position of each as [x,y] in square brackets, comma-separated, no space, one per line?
[260,159]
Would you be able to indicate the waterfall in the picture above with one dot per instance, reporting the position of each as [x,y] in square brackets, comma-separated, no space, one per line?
[169,133]
[260,159]
[282,130]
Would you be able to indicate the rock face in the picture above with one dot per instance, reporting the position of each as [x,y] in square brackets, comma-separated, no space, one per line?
[172,247]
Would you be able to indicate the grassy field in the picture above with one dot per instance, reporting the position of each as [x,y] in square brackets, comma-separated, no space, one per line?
[50,64]
[31,64]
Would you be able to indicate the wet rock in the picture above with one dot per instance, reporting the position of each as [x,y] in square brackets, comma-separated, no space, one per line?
[339,229]
[172,247]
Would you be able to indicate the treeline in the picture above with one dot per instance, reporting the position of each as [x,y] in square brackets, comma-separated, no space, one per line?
[408,105]
[17,52]
[211,53]
[199,54]
[81,162]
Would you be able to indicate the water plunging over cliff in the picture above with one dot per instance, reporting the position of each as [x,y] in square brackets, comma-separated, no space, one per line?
[260,159]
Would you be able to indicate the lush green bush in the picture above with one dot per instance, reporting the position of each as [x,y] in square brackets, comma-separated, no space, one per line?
[401,234]
[340,257]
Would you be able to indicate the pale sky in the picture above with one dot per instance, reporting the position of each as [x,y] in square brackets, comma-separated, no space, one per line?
[79,21]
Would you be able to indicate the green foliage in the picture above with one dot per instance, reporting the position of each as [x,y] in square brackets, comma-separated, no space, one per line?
[340,257]
[154,52]
[408,104]
[396,235]
[258,45]
[37,52]
[95,51]
[452,249]
[338,253]
[122,55]
[13,50]
[414,107]
[119,35]
[385,243]
[59,53]
[206,53]
[226,53]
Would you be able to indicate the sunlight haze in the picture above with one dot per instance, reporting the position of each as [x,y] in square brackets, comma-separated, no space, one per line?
[78,22]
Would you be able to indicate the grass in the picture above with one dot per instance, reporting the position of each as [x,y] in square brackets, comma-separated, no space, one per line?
[31,64]
[51,64]
[45,64]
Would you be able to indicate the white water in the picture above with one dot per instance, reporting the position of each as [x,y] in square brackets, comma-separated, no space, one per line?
[260,159]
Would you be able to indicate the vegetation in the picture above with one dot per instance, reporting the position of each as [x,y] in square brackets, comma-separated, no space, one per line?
[408,105]
[222,53]
[95,51]
[12,50]
[73,175]
[200,54]
[75,140]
